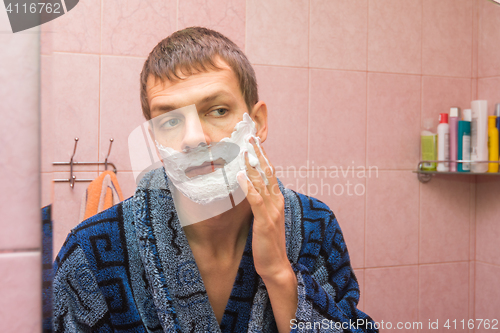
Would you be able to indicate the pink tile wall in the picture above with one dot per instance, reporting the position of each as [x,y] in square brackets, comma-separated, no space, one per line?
[20,197]
[447,38]
[444,229]
[487,293]
[443,294]
[347,83]
[337,118]
[391,294]
[394,106]
[277,32]
[20,280]
[487,265]
[285,91]
[395,36]
[338,34]
[488,37]
[120,107]
[226,17]
[487,215]
[392,233]
[134,27]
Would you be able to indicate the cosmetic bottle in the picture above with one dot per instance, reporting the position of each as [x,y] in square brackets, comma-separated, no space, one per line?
[443,138]
[497,113]
[479,135]
[492,143]
[464,141]
[428,146]
[453,122]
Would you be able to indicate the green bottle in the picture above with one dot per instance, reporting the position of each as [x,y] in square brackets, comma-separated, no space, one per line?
[428,148]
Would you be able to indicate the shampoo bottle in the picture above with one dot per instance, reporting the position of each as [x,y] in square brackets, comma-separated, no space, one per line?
[497,113]
[464,141]
[454,117]
[492,143]
[428,146]
[479,135]
[443,134]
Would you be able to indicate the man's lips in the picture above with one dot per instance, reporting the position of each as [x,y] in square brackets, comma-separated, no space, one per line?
[205,168]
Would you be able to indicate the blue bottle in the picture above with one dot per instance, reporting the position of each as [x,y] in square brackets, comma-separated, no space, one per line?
[464,141]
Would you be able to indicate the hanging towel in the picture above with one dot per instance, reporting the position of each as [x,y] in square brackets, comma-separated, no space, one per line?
[47,270]
[102,193]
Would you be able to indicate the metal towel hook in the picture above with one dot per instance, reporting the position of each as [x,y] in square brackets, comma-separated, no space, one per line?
[72,178]
[109,151]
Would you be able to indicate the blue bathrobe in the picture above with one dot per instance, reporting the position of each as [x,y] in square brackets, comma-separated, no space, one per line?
[130,269]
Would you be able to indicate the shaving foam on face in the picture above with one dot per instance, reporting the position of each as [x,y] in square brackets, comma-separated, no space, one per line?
[218,184]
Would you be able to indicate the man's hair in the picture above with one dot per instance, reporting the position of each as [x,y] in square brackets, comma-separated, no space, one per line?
[194,50]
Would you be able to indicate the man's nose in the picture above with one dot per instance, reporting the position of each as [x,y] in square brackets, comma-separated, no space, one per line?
[193,135]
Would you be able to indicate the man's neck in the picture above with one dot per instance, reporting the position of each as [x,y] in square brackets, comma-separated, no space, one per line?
[221,235]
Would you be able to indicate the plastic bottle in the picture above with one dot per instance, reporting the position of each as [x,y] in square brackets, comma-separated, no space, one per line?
[428,146]
[497,113]
[464,141]
[443,138]
[492,143]
[453,122]
[479,135]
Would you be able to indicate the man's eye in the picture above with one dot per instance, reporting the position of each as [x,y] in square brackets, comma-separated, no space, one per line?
[170,123]
[219,112]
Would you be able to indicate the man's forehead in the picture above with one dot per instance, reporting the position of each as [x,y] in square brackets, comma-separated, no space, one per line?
[192,88]
[182,73]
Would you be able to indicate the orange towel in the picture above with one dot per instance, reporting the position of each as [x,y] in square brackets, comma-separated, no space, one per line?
[102,193]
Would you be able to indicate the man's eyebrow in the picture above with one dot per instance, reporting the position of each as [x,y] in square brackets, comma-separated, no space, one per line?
[164,107]
[207,99]
[215,96]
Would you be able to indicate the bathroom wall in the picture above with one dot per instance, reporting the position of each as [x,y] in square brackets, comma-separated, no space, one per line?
[20,238]
[487,261]
[347,84]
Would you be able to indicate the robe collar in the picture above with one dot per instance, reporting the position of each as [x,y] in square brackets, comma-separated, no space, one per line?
[176,285]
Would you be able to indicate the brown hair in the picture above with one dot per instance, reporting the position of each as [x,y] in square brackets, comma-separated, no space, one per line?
[194,50]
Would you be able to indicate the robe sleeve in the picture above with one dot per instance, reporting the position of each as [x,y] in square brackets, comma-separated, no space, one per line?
[79,305]
[328,293]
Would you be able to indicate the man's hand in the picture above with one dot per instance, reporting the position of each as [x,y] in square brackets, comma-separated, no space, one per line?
[268,240]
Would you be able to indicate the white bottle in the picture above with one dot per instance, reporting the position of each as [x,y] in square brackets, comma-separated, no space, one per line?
[443,133]
[479,135]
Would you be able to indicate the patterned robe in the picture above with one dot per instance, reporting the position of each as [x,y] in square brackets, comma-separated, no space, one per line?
[130,269]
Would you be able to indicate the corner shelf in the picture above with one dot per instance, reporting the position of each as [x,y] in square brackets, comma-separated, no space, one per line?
[426,176]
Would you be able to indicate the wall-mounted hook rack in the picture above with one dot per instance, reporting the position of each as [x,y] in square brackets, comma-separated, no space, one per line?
[426,176]
[72,178]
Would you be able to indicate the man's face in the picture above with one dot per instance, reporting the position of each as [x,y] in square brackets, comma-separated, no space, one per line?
[219,107]
[218,100]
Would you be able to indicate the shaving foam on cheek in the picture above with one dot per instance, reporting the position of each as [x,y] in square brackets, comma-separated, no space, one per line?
[253,160]
[218,184]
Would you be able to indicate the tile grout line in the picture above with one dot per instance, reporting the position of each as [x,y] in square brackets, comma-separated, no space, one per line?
[308,91]
[20,251]
[245,28]
[419,183]
[366,132]
[100,79]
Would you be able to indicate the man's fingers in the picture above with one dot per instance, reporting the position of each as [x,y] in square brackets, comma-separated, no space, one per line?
[270,173]
[255,177]
[255,200]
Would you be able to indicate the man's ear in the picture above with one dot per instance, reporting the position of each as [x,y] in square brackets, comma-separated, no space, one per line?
[259,116]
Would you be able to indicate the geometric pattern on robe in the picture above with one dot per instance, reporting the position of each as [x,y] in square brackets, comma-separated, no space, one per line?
[130,269]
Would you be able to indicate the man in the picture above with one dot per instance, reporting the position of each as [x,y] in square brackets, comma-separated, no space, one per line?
[274,261]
